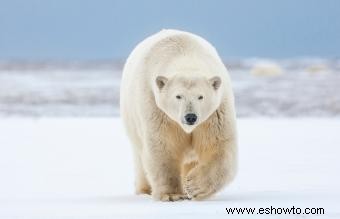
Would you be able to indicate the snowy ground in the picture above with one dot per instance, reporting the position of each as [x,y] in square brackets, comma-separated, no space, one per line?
[82,168]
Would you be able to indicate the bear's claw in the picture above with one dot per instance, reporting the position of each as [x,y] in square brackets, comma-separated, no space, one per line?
[172,197]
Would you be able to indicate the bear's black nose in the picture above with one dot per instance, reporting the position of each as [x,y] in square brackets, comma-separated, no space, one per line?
[190,118]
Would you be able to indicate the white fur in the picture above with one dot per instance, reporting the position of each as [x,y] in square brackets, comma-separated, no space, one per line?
[184,64]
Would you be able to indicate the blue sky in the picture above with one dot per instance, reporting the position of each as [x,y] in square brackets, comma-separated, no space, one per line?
[104,29]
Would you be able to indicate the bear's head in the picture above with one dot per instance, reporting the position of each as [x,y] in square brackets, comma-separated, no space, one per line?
[189,101]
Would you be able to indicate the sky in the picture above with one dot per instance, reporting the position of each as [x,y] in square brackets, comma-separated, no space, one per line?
[108,29]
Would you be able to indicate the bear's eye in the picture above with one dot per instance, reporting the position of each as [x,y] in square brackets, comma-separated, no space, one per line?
[178,97]
[200,97]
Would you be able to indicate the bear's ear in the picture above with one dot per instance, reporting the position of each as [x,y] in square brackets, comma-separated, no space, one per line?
[161,81]
[215,82]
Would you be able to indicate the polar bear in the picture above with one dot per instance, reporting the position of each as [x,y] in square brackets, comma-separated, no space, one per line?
[178,109]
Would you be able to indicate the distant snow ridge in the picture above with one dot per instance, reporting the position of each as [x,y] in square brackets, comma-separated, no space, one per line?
[266,68]
[318,68]
[262,87]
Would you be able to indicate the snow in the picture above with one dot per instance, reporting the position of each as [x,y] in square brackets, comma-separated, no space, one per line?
[82,168]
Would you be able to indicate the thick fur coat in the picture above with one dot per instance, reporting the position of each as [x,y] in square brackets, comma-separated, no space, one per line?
[167,77]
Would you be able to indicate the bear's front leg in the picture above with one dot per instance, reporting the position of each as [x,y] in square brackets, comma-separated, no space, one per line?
[213,171]
[163,172]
